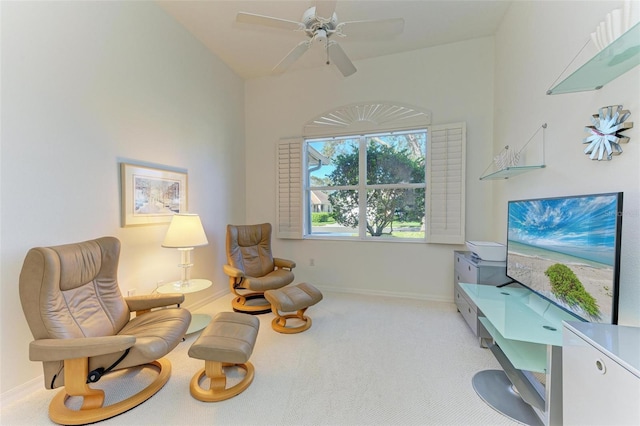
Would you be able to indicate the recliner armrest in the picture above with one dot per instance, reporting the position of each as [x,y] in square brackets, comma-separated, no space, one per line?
[284,263]
[150,301]
[79,347]
[232,272]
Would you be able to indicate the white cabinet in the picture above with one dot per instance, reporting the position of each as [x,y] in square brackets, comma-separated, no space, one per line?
[474,271]
[601,374]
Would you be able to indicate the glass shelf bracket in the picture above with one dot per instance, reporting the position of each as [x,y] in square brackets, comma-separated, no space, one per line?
[509,171]
[617,58]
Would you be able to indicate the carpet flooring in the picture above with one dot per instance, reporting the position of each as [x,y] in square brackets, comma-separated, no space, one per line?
[366,360]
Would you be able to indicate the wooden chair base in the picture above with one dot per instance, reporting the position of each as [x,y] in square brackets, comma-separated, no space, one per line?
[239,304]
[218,391]
[92,410]
[279,323]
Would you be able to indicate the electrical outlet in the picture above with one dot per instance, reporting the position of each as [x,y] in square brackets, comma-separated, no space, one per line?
[312,262]
[131,292]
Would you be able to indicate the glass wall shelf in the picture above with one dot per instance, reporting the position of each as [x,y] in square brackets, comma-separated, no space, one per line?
[507,172]
[611,62]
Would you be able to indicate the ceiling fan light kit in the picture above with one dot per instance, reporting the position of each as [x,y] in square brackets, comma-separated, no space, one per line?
[321,36]
[320,23]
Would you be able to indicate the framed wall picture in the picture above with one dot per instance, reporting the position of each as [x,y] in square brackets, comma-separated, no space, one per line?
[151,195]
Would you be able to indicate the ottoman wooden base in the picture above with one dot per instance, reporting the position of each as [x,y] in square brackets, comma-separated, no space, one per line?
[289,299]
[218,390]
[227,341]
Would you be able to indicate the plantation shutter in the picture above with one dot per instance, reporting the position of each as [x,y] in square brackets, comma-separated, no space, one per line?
[289,223]
[446,149]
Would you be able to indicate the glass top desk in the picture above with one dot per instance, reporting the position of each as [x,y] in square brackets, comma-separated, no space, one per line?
[527,334]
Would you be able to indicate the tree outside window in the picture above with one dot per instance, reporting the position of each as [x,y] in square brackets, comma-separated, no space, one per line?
[374,185]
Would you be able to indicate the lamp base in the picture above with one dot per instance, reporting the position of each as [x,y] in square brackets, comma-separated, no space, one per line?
[181,284]
[186,268]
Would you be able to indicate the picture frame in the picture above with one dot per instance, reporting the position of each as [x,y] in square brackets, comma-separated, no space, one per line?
[151,195]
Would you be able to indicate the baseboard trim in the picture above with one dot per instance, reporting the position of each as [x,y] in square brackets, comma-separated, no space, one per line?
[347,290]
[21,391]
[205,301]
[412,296]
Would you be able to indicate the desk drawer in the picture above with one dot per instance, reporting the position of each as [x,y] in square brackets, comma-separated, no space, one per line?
[466,272]
[467,309]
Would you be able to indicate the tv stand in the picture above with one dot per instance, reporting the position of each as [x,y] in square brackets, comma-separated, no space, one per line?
[507,283]
[527,338]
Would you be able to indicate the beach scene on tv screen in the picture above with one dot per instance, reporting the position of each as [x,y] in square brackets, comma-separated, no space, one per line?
[565,249]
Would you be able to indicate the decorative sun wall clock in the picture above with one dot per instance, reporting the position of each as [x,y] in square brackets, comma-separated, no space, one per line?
[606,132]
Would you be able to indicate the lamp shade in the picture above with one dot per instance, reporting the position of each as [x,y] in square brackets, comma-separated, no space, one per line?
[185,230]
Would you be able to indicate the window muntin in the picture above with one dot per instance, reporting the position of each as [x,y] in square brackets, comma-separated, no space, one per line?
[396,213]
[367,187]
[396,158]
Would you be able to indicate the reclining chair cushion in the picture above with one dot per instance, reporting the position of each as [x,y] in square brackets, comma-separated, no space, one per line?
[249,249]
[157,333]
[76,297]
[275,279]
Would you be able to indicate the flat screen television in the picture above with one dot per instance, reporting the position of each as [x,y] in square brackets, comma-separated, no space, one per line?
[567,249]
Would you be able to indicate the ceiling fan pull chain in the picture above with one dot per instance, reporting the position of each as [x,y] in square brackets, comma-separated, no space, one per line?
[326,49]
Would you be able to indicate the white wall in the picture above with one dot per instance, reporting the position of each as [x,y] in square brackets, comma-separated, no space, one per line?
[536,41]
[454,82]
[86,85]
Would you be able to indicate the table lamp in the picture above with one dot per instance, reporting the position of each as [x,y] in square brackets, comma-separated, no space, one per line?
[185,232]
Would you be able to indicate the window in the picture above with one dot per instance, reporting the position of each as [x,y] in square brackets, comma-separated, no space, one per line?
[366,186]
[393,186]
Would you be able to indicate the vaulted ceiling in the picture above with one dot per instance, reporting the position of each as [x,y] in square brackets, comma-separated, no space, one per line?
[253,51]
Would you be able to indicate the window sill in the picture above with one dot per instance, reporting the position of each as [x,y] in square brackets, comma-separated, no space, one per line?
[365,240]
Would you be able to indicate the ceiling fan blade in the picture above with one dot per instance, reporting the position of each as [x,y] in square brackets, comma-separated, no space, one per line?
[372,29]
[292,56]
[325,9]
[268,21]
[340,59]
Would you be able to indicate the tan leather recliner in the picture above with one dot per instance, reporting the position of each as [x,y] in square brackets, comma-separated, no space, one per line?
[252,269]
[83,328]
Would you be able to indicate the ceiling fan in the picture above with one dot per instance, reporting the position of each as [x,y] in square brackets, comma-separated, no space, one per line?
[320,24]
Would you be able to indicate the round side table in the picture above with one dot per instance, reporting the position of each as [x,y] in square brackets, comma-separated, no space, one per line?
[198,321]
